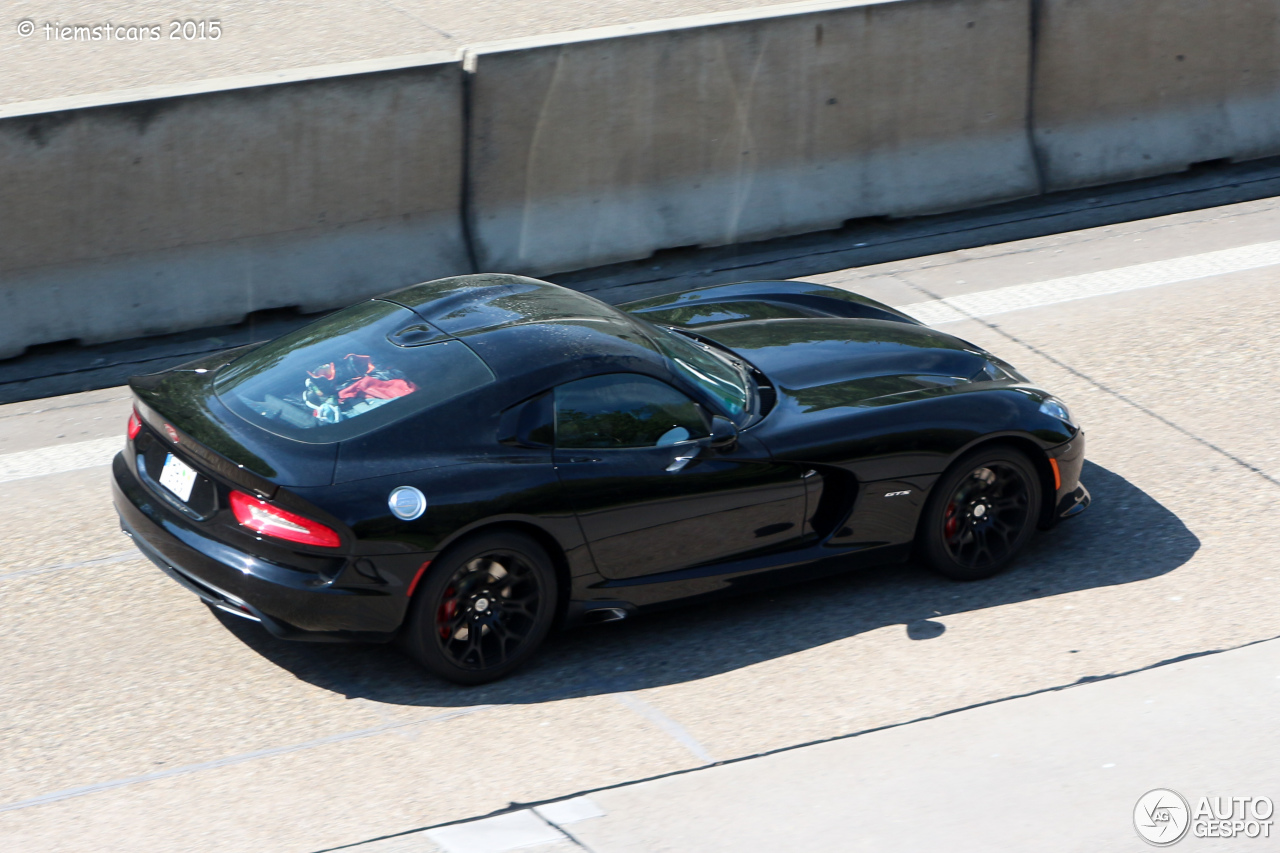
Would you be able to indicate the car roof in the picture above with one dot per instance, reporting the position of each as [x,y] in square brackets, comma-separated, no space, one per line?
[524,328]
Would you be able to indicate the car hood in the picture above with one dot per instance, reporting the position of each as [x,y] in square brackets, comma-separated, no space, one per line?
[722,304]
[834,362]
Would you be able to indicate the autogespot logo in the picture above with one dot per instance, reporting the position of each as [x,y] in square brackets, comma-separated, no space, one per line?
[1162,817]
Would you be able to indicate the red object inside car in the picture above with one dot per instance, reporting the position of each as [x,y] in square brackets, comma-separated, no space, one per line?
[384,389]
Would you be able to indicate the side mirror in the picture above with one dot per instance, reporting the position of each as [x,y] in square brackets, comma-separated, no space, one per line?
[723,433]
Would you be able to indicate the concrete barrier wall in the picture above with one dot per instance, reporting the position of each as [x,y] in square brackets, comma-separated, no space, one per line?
[193,208]
[619,142]
[190,207]
[1130,88]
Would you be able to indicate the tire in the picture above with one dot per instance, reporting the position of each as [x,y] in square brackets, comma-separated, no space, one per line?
[483,608]
[981,513]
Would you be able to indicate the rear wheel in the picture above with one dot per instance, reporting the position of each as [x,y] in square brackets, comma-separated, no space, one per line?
[981,513]
[483,609]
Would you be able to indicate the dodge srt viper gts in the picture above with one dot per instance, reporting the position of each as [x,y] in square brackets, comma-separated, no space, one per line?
[466,463]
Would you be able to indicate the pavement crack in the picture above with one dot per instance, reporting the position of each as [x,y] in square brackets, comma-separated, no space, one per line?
[573,839]
[122,557]
[409,14]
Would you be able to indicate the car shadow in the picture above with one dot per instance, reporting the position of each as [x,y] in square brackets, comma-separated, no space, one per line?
[1125,537]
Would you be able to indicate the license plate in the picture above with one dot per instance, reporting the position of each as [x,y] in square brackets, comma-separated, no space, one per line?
[178,477]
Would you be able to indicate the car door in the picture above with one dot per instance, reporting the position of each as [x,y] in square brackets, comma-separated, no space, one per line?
[634,457]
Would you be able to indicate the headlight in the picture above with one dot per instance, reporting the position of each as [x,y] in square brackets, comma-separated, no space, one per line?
[1055,408]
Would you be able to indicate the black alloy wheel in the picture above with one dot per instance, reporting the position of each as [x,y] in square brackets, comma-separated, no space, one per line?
[483,609]
[981,513]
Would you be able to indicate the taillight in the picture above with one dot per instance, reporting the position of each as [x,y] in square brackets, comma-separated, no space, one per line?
[135,424]
[270,520]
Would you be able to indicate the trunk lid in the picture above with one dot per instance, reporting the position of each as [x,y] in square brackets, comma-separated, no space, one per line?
[184,400]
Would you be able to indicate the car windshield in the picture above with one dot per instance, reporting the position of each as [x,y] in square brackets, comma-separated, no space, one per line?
[725,378]
[343,376]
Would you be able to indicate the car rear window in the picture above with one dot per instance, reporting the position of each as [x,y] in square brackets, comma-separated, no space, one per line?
[342,376]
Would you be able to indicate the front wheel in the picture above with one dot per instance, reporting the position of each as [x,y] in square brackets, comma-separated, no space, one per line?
[981,513]
[483,609]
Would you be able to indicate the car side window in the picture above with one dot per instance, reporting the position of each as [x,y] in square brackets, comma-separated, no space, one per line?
[625,410]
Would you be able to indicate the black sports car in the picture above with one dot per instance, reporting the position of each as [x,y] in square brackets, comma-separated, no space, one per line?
[465,463]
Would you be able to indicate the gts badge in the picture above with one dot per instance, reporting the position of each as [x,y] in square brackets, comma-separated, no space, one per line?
[897,494]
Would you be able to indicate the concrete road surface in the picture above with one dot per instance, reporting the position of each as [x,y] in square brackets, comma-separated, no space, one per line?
[254,36]
[1060,770]
[132,719]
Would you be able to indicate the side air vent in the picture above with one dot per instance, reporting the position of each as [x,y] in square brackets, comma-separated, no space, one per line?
[839,489]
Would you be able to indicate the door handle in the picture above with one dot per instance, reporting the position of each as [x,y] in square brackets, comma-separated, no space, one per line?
[680,461]
[582,459]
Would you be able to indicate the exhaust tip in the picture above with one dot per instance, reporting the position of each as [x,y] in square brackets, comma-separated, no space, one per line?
[605,614]
[237,610]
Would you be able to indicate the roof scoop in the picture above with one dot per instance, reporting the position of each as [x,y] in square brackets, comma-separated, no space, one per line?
[416,335]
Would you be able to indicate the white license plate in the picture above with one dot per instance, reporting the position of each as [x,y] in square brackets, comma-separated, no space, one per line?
[178,477]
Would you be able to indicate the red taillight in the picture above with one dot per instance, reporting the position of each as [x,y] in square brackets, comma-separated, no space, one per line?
[135,424]
[270,520]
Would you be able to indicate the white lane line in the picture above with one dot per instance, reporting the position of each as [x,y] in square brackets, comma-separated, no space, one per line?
[1042,293]
[58,459]
[122,557]
[83,790]
[668,725]
[496,834]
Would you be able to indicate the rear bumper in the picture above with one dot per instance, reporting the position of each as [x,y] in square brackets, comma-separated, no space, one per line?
[290,603]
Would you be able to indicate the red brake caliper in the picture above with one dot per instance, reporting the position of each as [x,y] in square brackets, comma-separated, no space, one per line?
[952,523]
[446,612]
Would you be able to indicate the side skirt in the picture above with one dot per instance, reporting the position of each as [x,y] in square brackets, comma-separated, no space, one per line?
[712,581]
